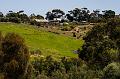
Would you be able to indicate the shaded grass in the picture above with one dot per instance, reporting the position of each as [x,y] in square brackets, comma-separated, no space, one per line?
[49,43]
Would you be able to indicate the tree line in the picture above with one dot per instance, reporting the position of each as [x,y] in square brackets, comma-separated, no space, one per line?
[75,15]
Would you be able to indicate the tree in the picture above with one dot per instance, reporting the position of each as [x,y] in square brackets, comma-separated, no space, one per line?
[96,17]
[95,14]
[75,13]
[15,56]
[17,17]
[85,14]
[11,14]
[39,17]
[108,14]
[24,18]
[101,44]
[13,17]
[97,11]
[55,13]
[1,14]
[78,14]
[21,11]
[49,16]
[69,17]
[32,16]
[58,13]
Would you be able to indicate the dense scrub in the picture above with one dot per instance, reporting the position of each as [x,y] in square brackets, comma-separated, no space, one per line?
[65,68]
[72,68]
[102,44]
[14,57]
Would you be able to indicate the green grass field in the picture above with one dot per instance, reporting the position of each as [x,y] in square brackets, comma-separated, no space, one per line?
[49,43]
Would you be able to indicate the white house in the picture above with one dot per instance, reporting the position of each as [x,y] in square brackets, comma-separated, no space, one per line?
[41,20]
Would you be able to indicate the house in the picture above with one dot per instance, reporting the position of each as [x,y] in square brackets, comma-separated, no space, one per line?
[93,15]
[117,16]
[41,20]
[83,21]
[56,20]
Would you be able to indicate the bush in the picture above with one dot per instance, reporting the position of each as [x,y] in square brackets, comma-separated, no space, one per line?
[15,56]
[67,68]
[4,19]
[112,71]
[14,19]
[102,44]
[1,52]
[66,28]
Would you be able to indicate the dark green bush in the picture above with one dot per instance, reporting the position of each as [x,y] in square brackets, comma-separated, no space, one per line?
[112,71]
[14,19]
[4,19]
[15,56]
[102,44]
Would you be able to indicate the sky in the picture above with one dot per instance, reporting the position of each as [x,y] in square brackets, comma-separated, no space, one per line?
[42,6]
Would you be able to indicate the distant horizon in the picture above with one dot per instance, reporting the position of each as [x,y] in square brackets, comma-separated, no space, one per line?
[42,7]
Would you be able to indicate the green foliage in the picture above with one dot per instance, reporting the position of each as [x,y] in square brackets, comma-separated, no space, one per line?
[112,71]
[17,17]
[10,68]
[1,14]
[66,28]
[97,20]
[101,44]
[65,68]
[108,14]
[40,17]
[1,52]
[15,56]
[4,19]
[14,19]
[24,18]
[55,13]
[78,15]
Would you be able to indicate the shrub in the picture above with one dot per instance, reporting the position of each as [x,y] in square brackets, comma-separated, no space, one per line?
[102,44]
[1,53]
[112,71]
[15,56]
[14,19]
[4,19]
[66,28]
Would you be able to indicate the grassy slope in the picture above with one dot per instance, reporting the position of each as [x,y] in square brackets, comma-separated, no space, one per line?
[48,43]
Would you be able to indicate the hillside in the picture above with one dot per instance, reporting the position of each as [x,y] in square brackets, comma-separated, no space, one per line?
[49,43]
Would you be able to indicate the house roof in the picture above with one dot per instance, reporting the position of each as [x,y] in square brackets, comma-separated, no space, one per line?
[41,20]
